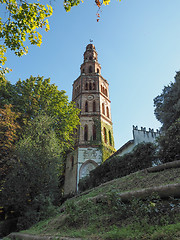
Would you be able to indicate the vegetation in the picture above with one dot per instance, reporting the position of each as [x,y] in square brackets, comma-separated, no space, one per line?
[23,21]
[167,111]
[167,105]
[91,217]
[36,127]
[141,157]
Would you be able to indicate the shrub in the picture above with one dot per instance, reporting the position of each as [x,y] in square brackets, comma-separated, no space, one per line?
[142,157]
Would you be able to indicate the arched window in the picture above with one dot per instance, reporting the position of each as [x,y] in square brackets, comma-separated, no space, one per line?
[103,110]
[90,58]
[94,86]
[97,70]
[86,106]
[90,69]
[83,70]
[90,86]
[105,135]
[110,138]
[72,162]
[94,132]
[86,133]
[105,92]
[86,86]
[94,106]
[107,111]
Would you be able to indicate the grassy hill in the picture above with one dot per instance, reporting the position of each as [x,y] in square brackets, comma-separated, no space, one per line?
[101,214]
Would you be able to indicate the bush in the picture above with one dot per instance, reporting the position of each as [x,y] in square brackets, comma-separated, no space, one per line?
[142,157]
[169,143]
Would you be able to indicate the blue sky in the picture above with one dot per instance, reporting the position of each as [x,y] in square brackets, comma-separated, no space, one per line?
[138,45]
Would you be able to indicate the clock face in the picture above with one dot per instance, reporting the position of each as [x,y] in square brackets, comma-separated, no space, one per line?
[90,97]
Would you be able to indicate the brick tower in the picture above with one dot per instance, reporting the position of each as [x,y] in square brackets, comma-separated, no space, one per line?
[95,142]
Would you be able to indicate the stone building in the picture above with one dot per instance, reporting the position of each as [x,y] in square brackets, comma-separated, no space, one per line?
[139,136]
[94,138]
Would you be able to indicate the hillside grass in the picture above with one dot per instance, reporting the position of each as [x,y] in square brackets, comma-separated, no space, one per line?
[152,218]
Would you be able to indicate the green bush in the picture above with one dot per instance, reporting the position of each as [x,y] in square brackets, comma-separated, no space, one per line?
[142,157]
[169,143]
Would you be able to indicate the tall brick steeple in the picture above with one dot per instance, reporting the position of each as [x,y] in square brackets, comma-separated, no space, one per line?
[95,141]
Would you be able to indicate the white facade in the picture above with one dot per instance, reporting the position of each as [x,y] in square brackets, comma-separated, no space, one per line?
[139,136]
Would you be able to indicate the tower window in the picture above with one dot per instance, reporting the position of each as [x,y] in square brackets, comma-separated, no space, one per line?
[86,133]
[101,88]
[90,58]
[110,138]
[94,132]
[105,92]
[97,70]
[94,106]
[83,70]
[105,135]
[94,86]
[103,110]
[107,111]
[90,69]
[72,162]
[86,86]
[86,106]
[90,86]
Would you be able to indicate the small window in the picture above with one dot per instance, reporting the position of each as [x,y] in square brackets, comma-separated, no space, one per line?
[90,86]
[97,70]
[90,69]
[72,162]
[86,86]
[105,92]
[103,109]
[107,111]
[86,133]
[94,106]
[94,86]
[110,138]
[83,70]
[86,106]
[105,135]
[90,58]
[94,132]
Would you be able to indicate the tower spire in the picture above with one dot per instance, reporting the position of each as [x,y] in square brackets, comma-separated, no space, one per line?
[95,142]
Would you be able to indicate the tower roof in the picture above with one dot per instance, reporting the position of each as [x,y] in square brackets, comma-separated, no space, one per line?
[90,46]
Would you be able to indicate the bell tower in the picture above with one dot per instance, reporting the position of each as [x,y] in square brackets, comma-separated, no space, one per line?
[94,138]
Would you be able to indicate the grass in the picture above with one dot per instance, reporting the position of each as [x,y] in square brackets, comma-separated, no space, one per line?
[150,219]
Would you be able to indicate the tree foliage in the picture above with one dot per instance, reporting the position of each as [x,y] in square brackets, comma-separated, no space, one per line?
[22,22]
[167,105]
[35,174]
[8,136]
[35,95]
[169,143]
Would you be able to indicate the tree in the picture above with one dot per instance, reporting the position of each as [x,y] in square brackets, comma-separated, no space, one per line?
[169,143]
[7,92]
[8,136]
[34,95]
[34,176]
[22,22]
[167,105]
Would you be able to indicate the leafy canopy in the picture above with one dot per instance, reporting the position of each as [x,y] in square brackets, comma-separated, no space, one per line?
[167,104]
[36,95]
[35,173]
[21,21]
